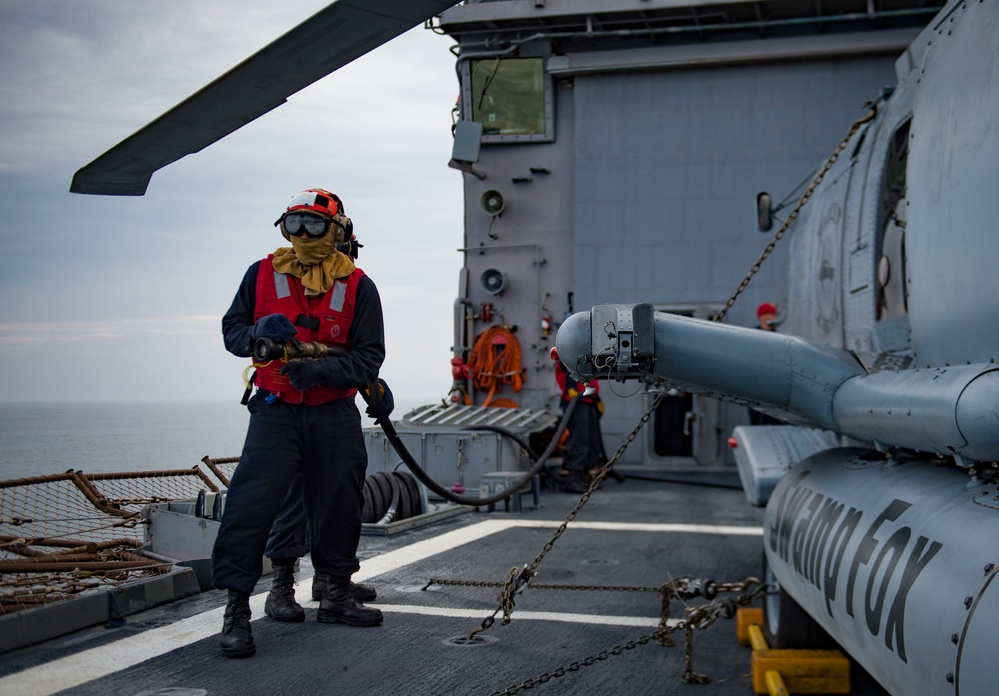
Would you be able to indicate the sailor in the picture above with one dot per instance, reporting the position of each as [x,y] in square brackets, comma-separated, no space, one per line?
[303,419]
[289,536]
[584,447]
[766,314]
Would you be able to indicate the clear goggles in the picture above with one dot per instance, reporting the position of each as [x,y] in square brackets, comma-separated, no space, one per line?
[312,225]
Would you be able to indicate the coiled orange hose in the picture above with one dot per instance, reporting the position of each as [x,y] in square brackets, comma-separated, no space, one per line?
[496,360]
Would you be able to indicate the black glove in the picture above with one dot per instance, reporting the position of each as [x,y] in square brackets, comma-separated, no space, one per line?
[276,327]
[306,374]
[381,408]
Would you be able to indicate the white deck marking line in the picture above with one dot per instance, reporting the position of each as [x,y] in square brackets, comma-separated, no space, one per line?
[594,619]
[663,527]
[95,663]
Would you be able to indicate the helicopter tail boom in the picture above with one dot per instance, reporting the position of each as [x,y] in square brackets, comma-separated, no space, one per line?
[948,410]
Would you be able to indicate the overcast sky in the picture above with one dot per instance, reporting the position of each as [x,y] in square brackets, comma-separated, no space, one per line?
[120,298]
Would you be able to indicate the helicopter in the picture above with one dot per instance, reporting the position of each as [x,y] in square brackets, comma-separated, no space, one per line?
[888,348]
[883,368]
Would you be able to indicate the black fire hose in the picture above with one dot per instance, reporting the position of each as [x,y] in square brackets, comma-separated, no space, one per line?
[393,506]
[524,444]
[426,480]
[265,349]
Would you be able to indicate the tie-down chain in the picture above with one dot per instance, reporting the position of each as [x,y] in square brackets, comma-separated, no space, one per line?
[685,588]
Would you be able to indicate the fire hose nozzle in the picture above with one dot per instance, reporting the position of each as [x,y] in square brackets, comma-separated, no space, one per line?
[265,349]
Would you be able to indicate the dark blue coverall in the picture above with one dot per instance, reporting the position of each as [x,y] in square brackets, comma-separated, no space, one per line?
[320,445]
[289,537]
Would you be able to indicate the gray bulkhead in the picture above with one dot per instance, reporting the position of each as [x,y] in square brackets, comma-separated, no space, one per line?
[643,189]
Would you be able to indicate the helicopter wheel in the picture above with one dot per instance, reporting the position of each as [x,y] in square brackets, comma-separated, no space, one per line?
[785,624]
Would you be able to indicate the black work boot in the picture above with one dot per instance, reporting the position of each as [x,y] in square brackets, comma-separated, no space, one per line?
[338,605]
[237,639]
[281,604]
[575,482]
[362,593]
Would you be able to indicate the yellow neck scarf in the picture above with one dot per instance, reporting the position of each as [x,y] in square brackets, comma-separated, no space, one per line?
[316,262]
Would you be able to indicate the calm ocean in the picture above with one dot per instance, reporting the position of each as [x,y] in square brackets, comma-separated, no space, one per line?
[50,438]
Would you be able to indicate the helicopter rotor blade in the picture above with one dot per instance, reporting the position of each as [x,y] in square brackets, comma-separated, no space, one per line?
[330,39]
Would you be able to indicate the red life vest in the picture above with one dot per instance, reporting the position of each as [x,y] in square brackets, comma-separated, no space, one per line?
[565,383]
[278,293]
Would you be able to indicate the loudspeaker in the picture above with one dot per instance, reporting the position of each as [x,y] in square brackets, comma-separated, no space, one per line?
[492,281]
[492,202]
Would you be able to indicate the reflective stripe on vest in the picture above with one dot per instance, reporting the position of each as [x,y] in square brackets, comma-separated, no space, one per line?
[281,285]
[338,296]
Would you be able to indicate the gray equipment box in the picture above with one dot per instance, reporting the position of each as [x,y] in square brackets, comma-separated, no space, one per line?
[456,445]
[500,481]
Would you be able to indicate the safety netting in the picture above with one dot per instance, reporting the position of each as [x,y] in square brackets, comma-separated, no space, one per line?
[66,534]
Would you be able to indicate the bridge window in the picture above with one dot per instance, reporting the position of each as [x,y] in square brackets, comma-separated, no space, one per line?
[510,97]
